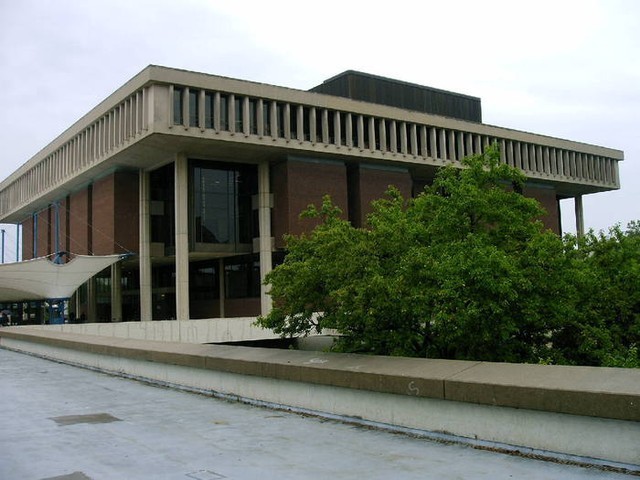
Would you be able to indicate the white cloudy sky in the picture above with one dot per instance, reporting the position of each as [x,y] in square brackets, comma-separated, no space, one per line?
[569,69]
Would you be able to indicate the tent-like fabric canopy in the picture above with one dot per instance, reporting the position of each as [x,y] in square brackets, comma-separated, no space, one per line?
[42,279]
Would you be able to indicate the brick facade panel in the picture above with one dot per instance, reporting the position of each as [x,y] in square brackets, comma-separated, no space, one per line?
[79,222]
[373,183]
[548,198]
[298,184]
[103,219]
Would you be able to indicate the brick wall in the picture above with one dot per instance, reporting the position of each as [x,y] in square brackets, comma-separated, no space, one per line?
[369,184]
[79,222]
[296,184]
[548,198]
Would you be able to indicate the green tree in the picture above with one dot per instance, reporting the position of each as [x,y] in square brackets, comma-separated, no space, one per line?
[465,270]
[603,326]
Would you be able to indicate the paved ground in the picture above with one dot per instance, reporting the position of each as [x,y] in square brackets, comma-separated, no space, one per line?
[63,422]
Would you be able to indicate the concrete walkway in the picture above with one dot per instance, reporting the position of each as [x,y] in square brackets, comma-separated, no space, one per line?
[59,421]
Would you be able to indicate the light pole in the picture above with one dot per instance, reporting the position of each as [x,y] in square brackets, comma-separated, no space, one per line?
[3,245]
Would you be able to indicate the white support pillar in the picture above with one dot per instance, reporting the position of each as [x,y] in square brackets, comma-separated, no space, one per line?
[325,126]
[383,135]
[404,146]
[372,134]
[146,310]
[116,292]
[182,236]
[300,123]
[579,216]
[393,137]
[264,220]
[312,125]
[348,130]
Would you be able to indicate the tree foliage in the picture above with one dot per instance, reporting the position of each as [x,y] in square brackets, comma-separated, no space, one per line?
[465,270]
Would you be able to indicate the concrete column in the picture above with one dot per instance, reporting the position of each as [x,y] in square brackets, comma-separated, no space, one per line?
[264,220]
[222,288]
[300,123]
[424,150]
[433,143]
[273,120]
[372,133]
[185,108]
[393,137]
[216,111]
[349,130]
[325,126]
[413,135]
[312,125]
[182,236]
[442,142]
[404,146]
[116,292]
[246,116]
[579,216]
[383,135]
[146,310]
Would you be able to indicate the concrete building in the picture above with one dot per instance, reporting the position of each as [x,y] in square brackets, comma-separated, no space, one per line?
[200,176]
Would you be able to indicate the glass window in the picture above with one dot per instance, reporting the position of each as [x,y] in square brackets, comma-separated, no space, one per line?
[242,276]
[209,99]
[204,280]
[293,121]
[224,113]
[266,117]
[253,116]
[221,207]
[177,106]
[239,114]
[193,108]
[162,206]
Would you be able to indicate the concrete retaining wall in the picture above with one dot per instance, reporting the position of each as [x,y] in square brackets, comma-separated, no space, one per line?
[184,331]
[586,413]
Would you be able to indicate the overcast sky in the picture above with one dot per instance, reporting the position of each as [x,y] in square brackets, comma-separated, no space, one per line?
[569,69]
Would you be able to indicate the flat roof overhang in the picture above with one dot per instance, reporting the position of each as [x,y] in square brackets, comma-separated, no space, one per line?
[157,149]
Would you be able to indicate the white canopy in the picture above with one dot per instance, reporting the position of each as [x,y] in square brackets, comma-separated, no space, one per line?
[41,279]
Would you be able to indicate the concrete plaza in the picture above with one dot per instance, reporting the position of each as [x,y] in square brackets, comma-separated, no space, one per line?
[60,421]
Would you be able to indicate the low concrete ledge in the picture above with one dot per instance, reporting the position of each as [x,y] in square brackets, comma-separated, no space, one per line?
[578,411]
[589,391]
[207,330]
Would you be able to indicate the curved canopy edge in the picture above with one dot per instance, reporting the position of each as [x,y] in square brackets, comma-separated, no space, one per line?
[42,279]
